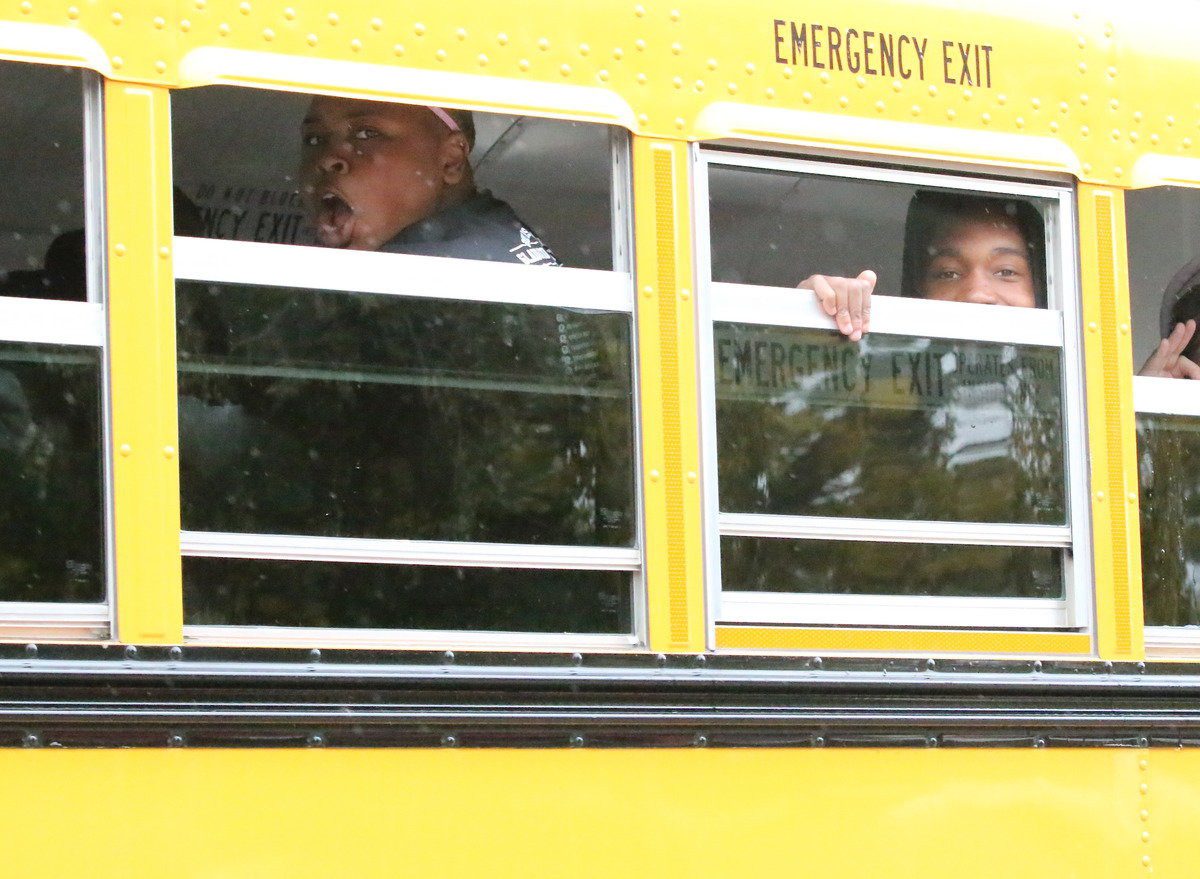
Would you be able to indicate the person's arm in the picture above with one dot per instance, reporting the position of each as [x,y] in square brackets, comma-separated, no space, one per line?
[846,300]
[1168,361]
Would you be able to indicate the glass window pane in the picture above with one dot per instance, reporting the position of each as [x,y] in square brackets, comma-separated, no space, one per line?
[893,427]
[255,165]
[305,412]
[1169,449]
[777,227]
[51,484]
[331,595]
[847,567]
[42,213]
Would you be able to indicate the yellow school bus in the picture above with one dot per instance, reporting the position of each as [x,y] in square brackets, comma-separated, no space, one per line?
[411,560]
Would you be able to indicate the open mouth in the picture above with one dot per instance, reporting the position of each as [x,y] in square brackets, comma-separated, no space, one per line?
[334,220]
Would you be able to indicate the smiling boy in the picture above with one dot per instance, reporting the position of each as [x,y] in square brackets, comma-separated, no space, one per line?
[397,177]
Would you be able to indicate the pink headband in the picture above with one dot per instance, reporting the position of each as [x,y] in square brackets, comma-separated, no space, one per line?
[445,117]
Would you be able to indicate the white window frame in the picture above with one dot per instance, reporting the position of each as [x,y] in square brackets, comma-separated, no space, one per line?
[1057,325]
[79,324]
[431,277]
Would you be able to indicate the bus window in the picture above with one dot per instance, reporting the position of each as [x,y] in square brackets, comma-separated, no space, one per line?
[920,475]
[52,511]
[1163,226]
[421,417]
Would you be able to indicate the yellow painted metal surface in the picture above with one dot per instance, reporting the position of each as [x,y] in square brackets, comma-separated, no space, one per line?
[669,395]
[141,309]
[1108,358]
[901,640]
[904,814]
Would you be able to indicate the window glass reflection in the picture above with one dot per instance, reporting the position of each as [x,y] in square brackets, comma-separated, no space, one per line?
[893,427]
[51,495]
[370,596]
[1168,449]
[305,412]
[42,213]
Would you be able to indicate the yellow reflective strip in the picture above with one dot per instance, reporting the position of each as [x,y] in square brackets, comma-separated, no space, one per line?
[141,308]
[670,418]
[1108,359]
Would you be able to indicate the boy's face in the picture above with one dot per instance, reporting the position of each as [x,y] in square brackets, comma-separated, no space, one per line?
[981,260]
[370,169]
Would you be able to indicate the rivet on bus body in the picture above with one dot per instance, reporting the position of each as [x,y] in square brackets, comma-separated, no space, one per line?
[770,93]
[655,476]
[1187,143]
[312,40]
[1113,104]
[1116,133]
[897,86]
[1087,167]
[1039,742]
[119,249]
[1020,122]
[117,18]
[419,29]
[618,54]
[1100,496]
[333,19]
[160,66]
[440,55]
[523,64]
[643,119]
[1002,99]
[223,30]
[679,123]
[880,106]
[168,452]
[1112,72]
[1108,30]
[1131,497]
[289,14]
[200,4]
[675,16]
[603,75]
[461,33]
[31,741]
[565,70]
[1081,42]
[712,64]
[845,101]
[966,95]
[701,741]
[1036,103]
[1063,107]
[1083,67]
[641,78]
[118,62]
[31,651]
[1154,138]
[986,118]
[245,8]
[816,662]
[316,741]
[692,477]
[543,44]
[750,69]
[1144,788]
[1083,99]
[185,25]
[577,741]
[314,655]
[916,111]
[1137,116]
[1145,836]
[807,97]
[268,35]
[640,45]
[1145,860]
[699,85]
[356,45]
[502,39]
[1093,327]
[164,251]
[1118,171]
[1084,130]
[584,49]
[1133,137]
[676,49]
[131,652]
[639,11]
[175,740]
[860,82]
[950,114]
[175,653]
[1053,127]
[1143,765]
[1145,815]
[732,88]
[449,741]
[126,450]
[159,23]
[1170,120]
[73,12]
[677,82]
[824,78]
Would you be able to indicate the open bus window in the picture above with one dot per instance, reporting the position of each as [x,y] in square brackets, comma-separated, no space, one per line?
[919,475]
[52,510]
[423,417]
[42,214]
[1163,226]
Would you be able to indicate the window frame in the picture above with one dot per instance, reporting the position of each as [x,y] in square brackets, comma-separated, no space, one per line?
[80,324]
[436,278]
[1058,325]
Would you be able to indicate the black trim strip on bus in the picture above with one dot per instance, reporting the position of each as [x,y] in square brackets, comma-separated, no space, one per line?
[119,696]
